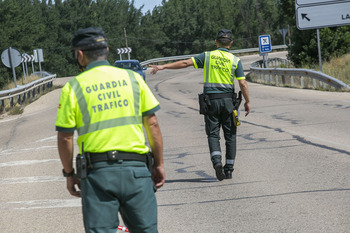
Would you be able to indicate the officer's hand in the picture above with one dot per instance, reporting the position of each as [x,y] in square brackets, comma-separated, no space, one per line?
[72,182]
[158,176]
[156,68]
[247,108]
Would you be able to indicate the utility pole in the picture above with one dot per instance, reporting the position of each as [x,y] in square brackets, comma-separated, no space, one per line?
[126,43]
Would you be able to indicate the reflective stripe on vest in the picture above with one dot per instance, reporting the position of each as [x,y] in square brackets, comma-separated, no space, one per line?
[215,78]
[118,121]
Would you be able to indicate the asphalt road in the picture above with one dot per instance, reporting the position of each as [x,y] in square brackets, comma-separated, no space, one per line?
[292,172]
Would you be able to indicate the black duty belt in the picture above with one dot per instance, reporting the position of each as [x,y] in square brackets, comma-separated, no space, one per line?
[115,156]
[220,95]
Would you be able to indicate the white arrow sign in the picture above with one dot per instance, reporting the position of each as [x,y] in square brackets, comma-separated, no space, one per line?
[323,15]
[27,58]
[124,50]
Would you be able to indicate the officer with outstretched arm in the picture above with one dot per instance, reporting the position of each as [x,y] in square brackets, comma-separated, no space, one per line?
[218,101]
[108,108]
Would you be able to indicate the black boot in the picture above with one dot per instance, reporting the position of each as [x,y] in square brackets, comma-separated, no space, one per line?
[228,172]
[219,171]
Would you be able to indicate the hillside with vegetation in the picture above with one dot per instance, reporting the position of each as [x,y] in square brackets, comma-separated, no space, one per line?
[177,27]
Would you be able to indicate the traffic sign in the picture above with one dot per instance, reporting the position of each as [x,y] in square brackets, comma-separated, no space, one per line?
[319,14]
[265,44]
[38,55]
[27,58]
[11,57]
[124,50]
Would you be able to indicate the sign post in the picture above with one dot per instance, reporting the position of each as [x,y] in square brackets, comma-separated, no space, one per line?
[11,58]
[265,47]
[121,51]
[283,32]
[39,56]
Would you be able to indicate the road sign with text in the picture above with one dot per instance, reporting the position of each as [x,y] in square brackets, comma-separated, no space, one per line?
[265,44]
[312,14]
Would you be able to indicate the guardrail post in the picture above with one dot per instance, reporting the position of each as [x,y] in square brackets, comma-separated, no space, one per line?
[3,103]
[11,102]
[276,78]
[283,79]
[302,81]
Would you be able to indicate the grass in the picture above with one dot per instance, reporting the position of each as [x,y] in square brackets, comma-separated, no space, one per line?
[20,81]
[338,68]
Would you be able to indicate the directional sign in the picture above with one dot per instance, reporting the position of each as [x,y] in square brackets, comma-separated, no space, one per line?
[328,14]
[27,58]
[124,50]
[265,44]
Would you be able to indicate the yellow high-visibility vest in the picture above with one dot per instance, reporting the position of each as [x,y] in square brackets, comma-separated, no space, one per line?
[105,105]
[219,69]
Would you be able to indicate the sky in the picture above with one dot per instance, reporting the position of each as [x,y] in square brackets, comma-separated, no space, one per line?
[148,4]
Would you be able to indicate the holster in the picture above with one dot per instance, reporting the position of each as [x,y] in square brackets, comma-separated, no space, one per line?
[204,103]
[150,161]
[237,100]
[150,157]
[81,164]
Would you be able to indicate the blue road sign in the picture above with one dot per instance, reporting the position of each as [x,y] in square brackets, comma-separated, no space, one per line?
[265,44]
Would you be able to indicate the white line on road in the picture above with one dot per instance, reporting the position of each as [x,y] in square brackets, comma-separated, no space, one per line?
[31,179]
[48,139]
[11,151]
[42,204]
[27,162]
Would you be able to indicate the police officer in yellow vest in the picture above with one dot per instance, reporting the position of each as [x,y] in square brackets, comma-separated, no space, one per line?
[108,106]
[220,70]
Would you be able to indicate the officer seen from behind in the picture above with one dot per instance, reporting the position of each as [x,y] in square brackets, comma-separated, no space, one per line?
[108,106]
[219,100]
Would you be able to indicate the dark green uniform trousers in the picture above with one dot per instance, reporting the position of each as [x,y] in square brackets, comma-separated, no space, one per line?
[220,115]
[124,186]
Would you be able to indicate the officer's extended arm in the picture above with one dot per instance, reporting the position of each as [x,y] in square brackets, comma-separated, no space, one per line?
[244,88]
[65,150]
[155,140]
[175,65]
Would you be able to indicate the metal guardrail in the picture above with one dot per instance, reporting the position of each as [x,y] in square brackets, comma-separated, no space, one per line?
[183,57]
[265,75]
[292,77]
[23,92]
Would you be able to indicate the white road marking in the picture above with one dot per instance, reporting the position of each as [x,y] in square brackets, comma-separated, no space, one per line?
[27,162]
[43,204]
[31,179]
[12,151]
[48,139]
